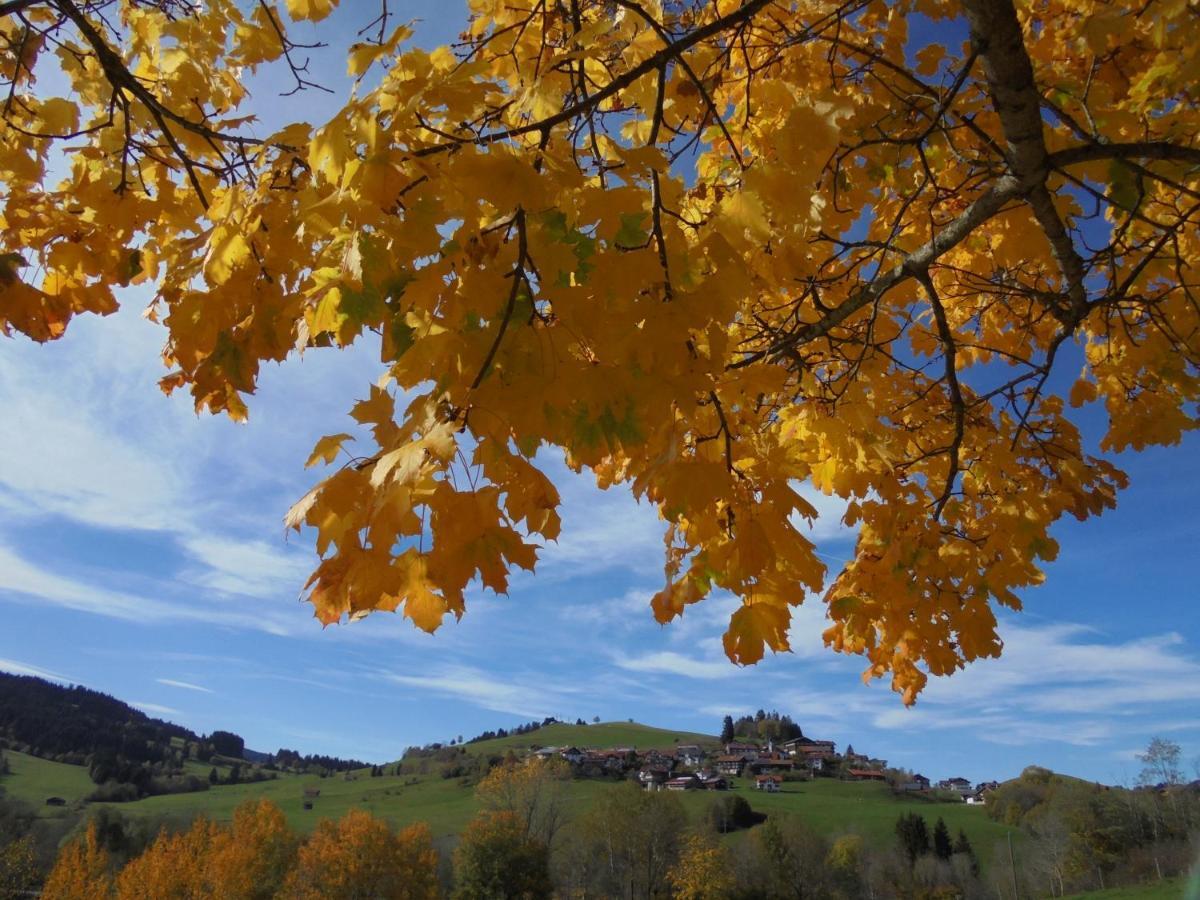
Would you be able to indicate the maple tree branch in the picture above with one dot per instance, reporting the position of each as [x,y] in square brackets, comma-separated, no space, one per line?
[645,67]
[17,6]
[1157,150]
[1003,190]
[519,277]
[957,403]
[996,36]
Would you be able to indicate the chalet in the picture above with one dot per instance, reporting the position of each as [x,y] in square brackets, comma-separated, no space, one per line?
[803,746]
[689,755]
[763,766]
[714,784]
[665,758]
[987,786]
[738,748]
[653,776]
[961,785]
[916,783]
[683,783]
[864,775]
[732,764]
[572,755]
[769,783]
[975,799]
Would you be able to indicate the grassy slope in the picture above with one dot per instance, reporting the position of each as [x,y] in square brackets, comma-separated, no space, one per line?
[1171,889]
[601,735]
[33,780]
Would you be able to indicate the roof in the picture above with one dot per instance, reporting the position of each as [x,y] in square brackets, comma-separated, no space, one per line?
[768,778]
[865,773]
[735,758]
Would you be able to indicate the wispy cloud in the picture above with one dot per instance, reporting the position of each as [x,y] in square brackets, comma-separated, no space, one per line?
[184,685]
[20,577]
[671,663]
[524,696]
[155,708]
[13,667]
[250,568]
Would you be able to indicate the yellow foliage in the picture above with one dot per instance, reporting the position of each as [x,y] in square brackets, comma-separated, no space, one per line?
[359,856]
[712,278]
[703,870]
[81,871]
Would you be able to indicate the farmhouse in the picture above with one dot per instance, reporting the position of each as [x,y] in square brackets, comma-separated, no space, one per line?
[769,783]
[739,748]
[916,783]
[689,754]
[954,784]
[683,783]
[864,775]
[731,764]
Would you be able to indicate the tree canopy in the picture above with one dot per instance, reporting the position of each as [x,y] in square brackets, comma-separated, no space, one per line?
[711,252]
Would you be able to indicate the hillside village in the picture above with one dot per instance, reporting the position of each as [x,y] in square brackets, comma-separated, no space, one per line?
[766,765]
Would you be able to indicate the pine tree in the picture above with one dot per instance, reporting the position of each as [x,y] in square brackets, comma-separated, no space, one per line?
[213,776]
[727,730]
[913,833]
[963,845]
[941,840]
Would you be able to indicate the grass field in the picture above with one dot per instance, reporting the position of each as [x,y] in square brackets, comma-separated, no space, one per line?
[602,734]
[33,780]
[1171,889]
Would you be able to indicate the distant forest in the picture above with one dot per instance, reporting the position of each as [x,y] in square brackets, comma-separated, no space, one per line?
[128,753]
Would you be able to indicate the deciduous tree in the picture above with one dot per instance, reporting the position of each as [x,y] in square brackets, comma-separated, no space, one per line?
[359,857]
[497,859]
[702,871]
[712,252]
[81,871]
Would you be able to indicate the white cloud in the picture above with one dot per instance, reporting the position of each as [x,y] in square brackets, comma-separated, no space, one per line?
[13,667]
[25,579]
[531,697]
[250,568]
[183,685]
[670,663]
[155,708]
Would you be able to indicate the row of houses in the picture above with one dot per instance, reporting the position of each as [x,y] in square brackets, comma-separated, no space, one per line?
[690,767]
[973,794]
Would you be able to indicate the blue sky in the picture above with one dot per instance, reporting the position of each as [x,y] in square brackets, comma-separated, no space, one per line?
[142,553]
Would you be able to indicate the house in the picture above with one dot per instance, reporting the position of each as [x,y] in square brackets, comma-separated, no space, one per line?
[975,799]
[546,752]
[714,784]
[987,786]
[864,775]
[572,755]
[769,783]
[311,793]
[738,748]
[731,764]
[803,746]
[689,755]
[763,766]
[961,785]
[683,783]
[653,776]
[916,783]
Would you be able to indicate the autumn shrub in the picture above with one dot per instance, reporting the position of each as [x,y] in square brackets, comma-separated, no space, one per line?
[359,856]
[81,871]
